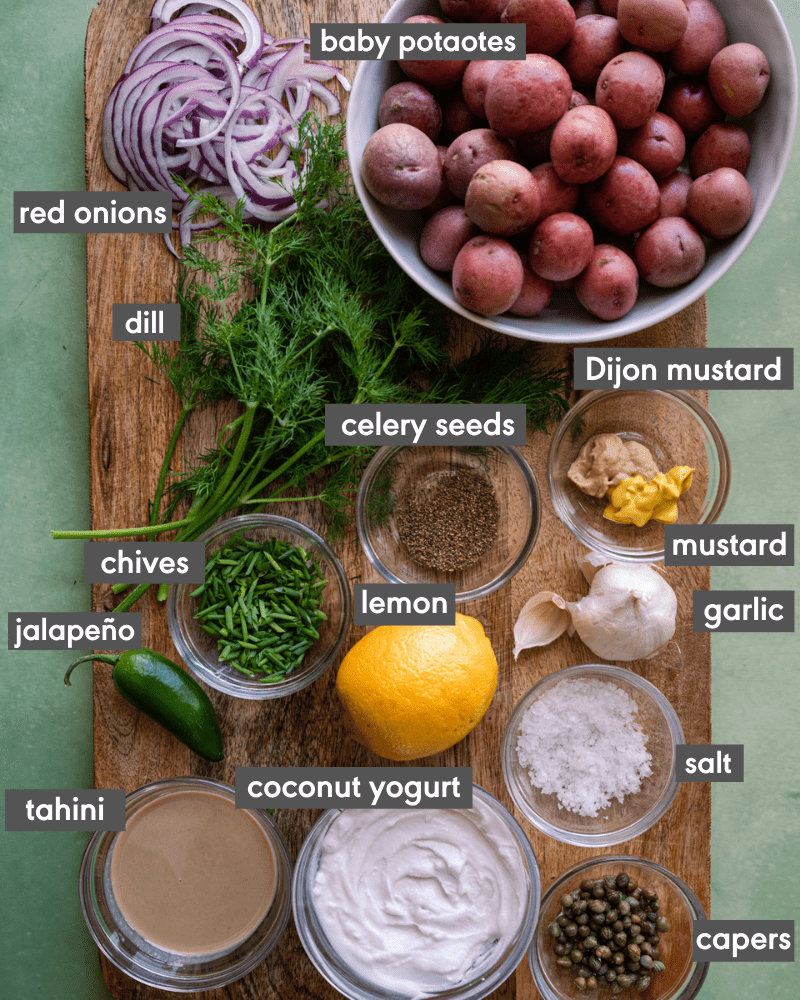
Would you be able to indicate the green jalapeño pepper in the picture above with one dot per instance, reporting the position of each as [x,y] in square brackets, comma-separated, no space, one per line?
[159,688]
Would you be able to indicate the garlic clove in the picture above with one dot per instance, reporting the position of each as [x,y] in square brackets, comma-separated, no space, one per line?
[542,619]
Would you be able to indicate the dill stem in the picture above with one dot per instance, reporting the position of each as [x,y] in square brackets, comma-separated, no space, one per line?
[312,443]
[236,458]
[162,477]
[151,529]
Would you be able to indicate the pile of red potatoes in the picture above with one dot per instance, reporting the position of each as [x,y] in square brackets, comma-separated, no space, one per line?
[607,156]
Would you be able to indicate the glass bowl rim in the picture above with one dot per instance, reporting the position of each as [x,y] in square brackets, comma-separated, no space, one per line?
[186,983]
[517,459]
[705,418]
[301,885]
[600,839]
[700,971]
[244,688]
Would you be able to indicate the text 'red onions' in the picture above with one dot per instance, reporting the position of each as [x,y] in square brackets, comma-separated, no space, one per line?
[214,101]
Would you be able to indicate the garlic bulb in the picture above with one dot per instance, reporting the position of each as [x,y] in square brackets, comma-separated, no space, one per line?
[543,618]
[628,614]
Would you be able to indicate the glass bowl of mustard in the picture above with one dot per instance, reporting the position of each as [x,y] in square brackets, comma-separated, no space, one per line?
[668,941]
[678,432]
[194,893]
[454,515]
[392,904]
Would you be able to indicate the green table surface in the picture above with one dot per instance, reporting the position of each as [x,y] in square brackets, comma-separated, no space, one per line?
[46,731]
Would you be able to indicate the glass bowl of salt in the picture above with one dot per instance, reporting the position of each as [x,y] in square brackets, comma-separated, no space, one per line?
[463,516]
[589,755]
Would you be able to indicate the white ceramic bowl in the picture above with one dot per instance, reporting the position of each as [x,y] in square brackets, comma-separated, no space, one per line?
[565,321]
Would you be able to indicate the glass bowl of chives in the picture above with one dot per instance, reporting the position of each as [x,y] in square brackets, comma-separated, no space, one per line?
[272,614]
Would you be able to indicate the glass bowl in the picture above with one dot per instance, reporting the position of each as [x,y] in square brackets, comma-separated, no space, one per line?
[682,978]
[620,821]
[676,428]
[348,980]
[149,963]
[394,469]
[770,128]
[199,650]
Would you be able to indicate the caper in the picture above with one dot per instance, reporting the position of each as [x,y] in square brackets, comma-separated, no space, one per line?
[655,906]
[576,955]
[646,962]
[590,943]
[643,983]
[617,927]
[633,885]
[584,971]
[656,953]
[565,962]
[580,983]
[636,918]
[613,897]
[611,976]
[603,951]
[560,949]
[562,920]
[624,981]
[647,948]
[637,892]
[579,906]
[587,885]
[598,919]
[554,929]
[658,966]
[621,940]
[619,958]
[624,908]
[611,915]
[662,925]
[582,918]
[649,894]
[591,984]
[598,906]
[635,905]
[622,881]
[605,934]
[654,939]
[639,939]
[584,931]
[632,966]
[566,902]
[598,890]
[571,930]
[609,881]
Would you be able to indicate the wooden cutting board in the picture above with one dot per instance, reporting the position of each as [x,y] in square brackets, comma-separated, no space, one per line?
[131,419]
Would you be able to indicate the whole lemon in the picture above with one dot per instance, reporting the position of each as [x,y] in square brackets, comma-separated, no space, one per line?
[410,691]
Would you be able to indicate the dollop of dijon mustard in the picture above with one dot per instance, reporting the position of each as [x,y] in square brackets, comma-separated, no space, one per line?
[638,500]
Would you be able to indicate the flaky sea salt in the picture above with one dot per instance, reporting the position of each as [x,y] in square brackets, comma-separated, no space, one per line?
[580,740]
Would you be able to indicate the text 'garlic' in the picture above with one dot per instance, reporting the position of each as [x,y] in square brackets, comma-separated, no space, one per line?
[628,614]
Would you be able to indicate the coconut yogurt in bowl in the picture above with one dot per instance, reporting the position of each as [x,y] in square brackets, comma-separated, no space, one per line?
[417,902]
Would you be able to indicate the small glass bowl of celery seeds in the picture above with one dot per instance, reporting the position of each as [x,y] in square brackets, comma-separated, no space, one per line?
[272,614]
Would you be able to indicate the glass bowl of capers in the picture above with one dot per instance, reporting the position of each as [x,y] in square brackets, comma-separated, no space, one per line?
[617,927]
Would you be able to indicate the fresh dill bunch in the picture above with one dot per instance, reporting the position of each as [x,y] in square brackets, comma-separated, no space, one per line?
[324,316]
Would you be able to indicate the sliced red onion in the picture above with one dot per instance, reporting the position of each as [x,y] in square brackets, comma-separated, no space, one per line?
[191,105]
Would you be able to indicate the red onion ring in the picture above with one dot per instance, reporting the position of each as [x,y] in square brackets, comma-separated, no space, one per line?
[216,102]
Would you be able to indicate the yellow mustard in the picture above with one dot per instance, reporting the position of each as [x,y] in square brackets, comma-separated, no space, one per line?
[637,500]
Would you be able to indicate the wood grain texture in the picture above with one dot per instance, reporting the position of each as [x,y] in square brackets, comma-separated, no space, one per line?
[130,422]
